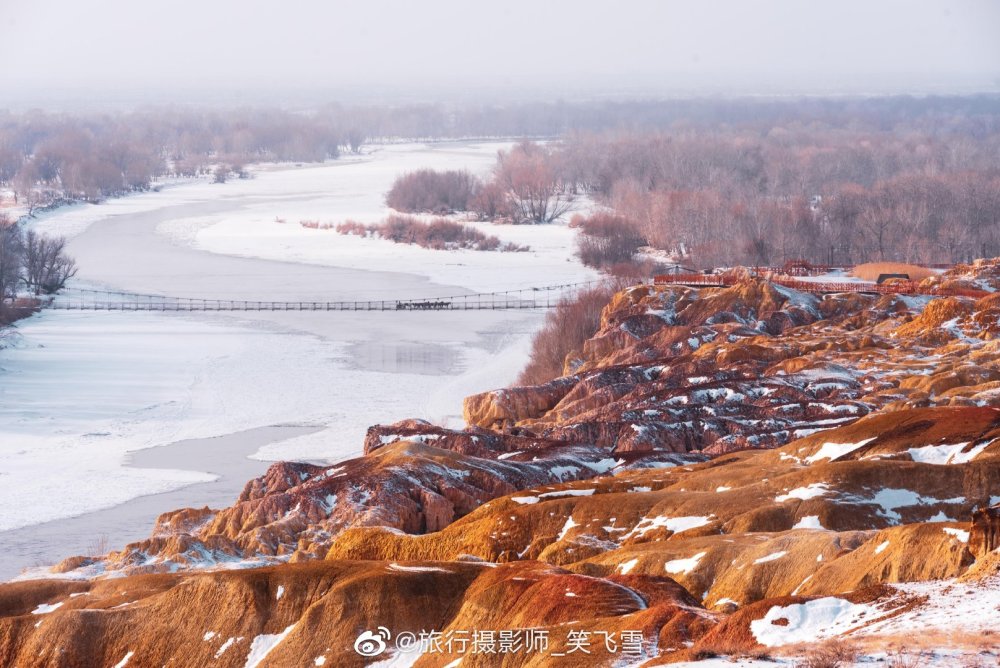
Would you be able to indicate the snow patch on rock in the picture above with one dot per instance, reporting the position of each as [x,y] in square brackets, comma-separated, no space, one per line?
[809,522]
[678,566]
[810,621]
[771,557]
[262,645]
[832,451]
[46,608]
[803,493]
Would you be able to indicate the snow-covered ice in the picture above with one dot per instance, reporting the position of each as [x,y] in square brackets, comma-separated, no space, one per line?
[78,391]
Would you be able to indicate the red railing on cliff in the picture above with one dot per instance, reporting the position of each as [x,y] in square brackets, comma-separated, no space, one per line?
[891,288]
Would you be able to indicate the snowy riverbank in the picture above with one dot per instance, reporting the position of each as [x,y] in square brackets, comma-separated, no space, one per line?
[80,391]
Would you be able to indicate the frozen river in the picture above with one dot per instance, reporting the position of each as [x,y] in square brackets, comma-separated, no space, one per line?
[84,396]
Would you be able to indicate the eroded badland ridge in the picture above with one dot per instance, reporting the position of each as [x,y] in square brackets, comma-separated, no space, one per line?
[720,467]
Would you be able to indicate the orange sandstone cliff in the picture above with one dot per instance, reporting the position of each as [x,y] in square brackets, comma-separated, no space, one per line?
[740,468]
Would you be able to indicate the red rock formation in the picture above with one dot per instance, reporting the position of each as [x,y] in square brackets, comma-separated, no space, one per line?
[984,536]
[743,449]
[304,613]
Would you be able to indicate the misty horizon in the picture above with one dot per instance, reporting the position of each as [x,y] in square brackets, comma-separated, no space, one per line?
[114,54]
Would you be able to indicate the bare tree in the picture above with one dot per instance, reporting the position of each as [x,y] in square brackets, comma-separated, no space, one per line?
[11,160]
[355,139]
[878,221]
[46,265]
[532,184]
[25,191]
[10,259]
[491,203]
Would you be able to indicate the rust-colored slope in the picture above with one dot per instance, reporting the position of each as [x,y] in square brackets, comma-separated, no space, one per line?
[853,443]
[764,523]
[316,611]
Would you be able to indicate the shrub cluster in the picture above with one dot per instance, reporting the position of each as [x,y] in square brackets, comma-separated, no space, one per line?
[430,191]
[436,234]
[606,240]
[566,327]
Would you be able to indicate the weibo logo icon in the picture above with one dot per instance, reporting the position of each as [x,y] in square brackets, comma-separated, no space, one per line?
[372,644]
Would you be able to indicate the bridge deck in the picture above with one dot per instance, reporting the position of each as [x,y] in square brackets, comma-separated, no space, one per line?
[236,305]
[87,299]
[523,299]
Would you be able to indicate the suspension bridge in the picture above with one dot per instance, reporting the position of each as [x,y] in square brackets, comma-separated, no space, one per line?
[542,297]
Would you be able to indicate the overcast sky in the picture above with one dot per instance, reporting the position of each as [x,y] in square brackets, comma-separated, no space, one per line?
[397,47]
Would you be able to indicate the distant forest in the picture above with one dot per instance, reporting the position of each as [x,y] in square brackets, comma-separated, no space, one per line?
[831,182]
[922,190]
[709,182]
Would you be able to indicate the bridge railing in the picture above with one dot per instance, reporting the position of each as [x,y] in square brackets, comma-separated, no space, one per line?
[892,288]
[237,305]
[90,299]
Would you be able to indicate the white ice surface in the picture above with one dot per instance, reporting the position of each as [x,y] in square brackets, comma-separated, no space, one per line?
[334,192]
[550,260]
[80,390]
[84,389]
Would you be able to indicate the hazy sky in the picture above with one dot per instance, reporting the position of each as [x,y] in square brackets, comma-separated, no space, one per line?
[62,47]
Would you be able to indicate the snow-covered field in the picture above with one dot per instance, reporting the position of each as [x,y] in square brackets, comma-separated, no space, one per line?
[80,390]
